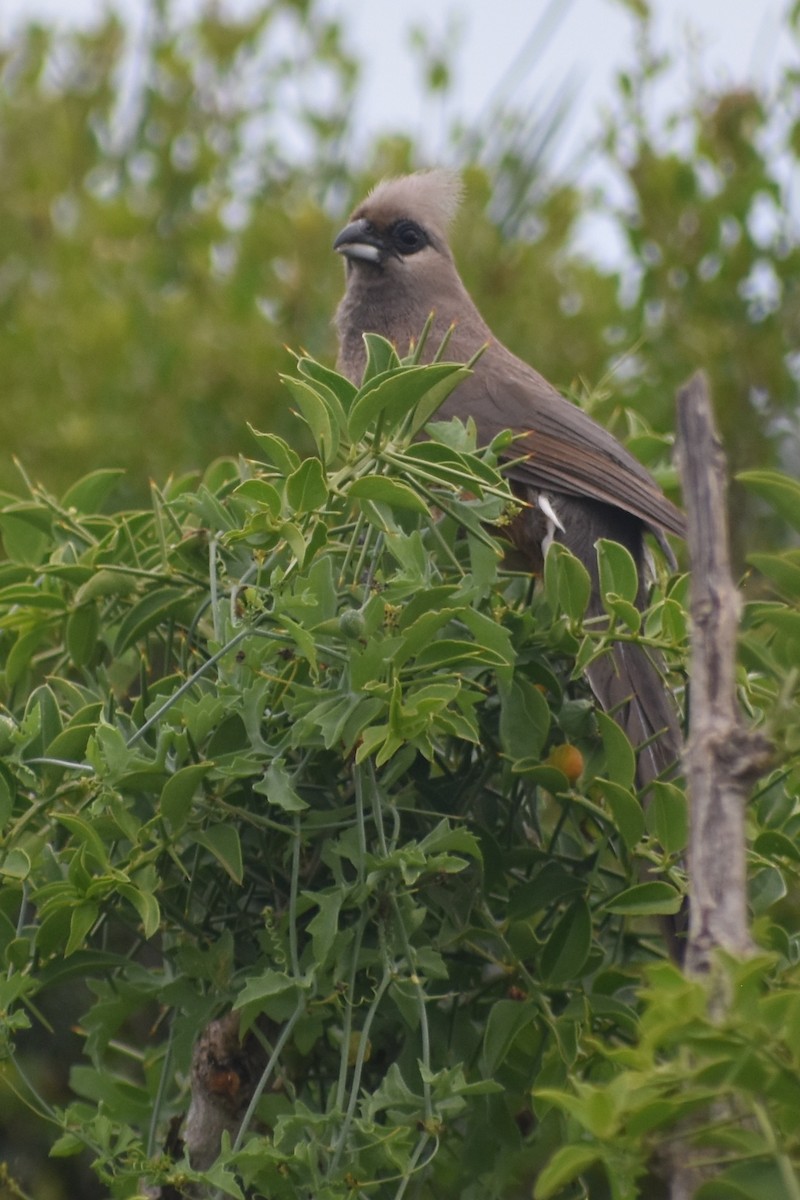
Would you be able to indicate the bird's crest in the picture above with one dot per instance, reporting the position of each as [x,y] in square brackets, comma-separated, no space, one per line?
[429,197]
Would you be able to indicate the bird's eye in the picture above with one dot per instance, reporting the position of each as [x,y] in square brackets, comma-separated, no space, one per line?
[408,238]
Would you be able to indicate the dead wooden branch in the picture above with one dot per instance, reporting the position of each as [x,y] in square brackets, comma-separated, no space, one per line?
[723,756]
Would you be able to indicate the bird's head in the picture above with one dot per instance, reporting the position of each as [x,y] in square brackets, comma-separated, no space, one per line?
[401,227]
[400,271]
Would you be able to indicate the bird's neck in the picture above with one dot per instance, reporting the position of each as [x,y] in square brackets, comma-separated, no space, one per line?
[369,307]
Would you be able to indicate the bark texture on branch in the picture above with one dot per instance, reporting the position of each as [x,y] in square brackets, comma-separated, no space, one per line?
[224,1075]
[723,756]
[225,1072]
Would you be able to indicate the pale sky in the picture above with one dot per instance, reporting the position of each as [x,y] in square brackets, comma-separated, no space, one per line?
[734,41]
[738,40]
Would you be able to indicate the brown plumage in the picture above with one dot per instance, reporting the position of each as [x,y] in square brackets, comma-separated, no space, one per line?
[580,482]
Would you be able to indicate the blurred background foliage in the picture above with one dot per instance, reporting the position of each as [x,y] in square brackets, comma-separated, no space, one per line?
[169,202]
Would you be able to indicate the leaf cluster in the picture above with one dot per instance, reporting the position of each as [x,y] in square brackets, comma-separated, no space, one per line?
[286,743]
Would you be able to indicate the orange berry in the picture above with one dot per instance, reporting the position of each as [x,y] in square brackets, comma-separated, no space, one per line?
[567,759]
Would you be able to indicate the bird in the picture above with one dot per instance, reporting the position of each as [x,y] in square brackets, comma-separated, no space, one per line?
[576,482]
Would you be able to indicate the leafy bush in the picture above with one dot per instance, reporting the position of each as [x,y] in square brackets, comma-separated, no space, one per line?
[296,742]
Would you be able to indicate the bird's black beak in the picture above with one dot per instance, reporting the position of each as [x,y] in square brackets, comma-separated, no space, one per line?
[361,240]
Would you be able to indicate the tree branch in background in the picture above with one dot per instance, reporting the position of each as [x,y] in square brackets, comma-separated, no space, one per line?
[723,756]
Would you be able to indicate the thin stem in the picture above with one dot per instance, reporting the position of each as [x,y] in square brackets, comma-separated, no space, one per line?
[408,952]
[358,780]
[293,954]
[359,525]
[159,1100]
[188,683]
[341,1083]
[412,1164]
[358,1067]
[213,588]
[62,762]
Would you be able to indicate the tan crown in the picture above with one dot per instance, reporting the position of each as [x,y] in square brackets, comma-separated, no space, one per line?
[429,197]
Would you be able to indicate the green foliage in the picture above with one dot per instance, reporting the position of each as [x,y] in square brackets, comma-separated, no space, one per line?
[282,744]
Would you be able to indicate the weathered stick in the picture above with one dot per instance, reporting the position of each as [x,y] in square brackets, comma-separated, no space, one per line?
[723,756]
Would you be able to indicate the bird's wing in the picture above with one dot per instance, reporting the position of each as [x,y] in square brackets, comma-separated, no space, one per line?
[559,447]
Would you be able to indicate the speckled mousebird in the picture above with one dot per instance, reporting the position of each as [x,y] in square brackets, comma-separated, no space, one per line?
[579,482]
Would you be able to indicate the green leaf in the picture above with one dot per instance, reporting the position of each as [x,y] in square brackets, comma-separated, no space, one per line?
[151,611]
[434,398]
[87,836]
[494,636]
[435,464]
[28,595]
[553,883]
[106,583]
[306,488]
[567,582]
[524,719]
[451,651]
[16,865]
[646,899]
[760,1180]
[625,809]
[622,610]
[506,1020]
[396,395]
[567,949]
[223,842]
[781,569]
[66,1146]
[6,802]
[146,906]
[668,816]
[179,791]
[262,493]
[565,1165]
[88,494]
[338,385]
[260,992]
[316,415]
[277,786]
[619,754]
[24,539]
[71,743]
[766,888]
[279,452]
[387,491]
[618,574]
[325,925]
[18,659]
[220,1177]
[81,921]
[443,837]
[381,357]
[774,844]
[83,626]
[778,490]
